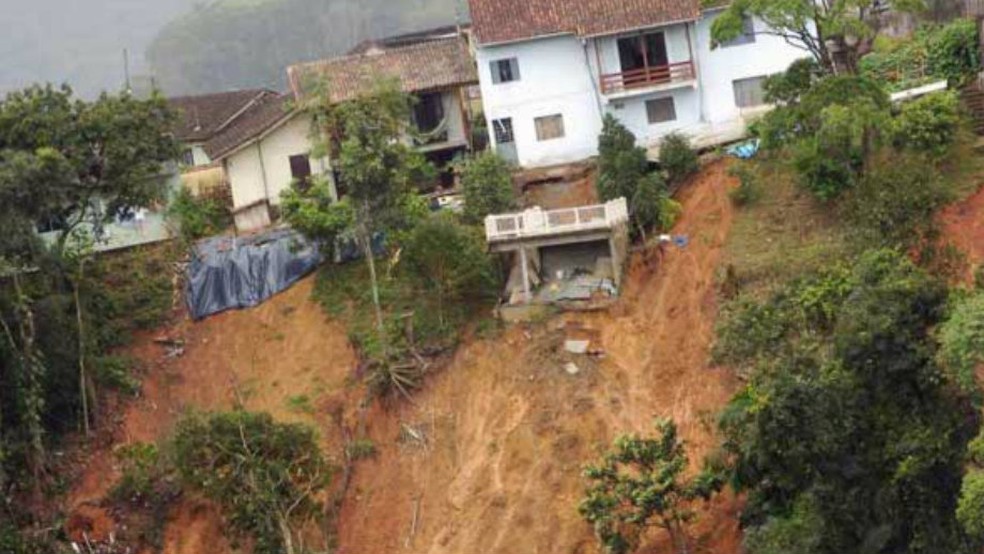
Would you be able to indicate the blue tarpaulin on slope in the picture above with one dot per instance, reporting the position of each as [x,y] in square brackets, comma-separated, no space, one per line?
[744,150]
[239,272]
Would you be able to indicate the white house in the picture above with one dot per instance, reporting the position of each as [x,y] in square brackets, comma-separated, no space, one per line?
[550,69]
[268,147]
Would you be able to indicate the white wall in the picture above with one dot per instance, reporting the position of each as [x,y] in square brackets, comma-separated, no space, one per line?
[718,68]
[252,180]
[632,113]
[554,78]
[199,156]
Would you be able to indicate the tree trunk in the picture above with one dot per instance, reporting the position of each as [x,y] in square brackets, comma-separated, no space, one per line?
[286,533]
[366,238]
[83,378]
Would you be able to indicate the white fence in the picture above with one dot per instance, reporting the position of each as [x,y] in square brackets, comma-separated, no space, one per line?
[537,222]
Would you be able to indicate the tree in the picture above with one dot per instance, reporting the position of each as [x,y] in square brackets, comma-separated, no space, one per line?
[677,158]
[486,180]
[376,167]
[449,260]
[638,483]
[623,172]
[102,158]
[961,339]
[836,33]
[847,425]
[267,476]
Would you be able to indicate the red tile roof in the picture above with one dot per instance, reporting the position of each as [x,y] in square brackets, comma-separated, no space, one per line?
[254,122]
[432,65]
[202,116]
[495,21]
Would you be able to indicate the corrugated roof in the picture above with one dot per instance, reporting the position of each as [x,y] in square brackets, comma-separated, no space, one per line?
[202,116]
[430,65]
[252,123]
[495,21]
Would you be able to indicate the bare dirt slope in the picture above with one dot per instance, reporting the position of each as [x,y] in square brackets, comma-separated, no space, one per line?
[508,429]
[963,226]
[284,357]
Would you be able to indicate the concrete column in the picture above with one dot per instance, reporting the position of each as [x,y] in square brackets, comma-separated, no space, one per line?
[616,266]
[525,273]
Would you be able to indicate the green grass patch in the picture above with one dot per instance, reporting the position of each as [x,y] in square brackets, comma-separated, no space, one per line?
[786,232]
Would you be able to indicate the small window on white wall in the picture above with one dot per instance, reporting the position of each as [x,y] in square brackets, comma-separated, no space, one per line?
[747,35]
[503,130]
[505,71]
[749,92]
[661,110]
[549,127]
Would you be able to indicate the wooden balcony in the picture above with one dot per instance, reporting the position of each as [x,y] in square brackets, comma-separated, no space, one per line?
[646,77]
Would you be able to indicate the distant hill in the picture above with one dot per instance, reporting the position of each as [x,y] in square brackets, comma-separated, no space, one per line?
[248,43]
[79,42]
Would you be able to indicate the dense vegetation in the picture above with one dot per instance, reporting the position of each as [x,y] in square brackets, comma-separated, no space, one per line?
[233,44]
[62,310]
[946,52]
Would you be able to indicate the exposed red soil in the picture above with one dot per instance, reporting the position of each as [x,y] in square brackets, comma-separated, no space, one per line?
[284,357]
[963,226]
[508,430]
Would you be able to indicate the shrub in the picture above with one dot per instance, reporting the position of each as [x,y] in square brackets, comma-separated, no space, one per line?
[953,51]
[929,124]
[140,465]
[748,190]
[487,183]
[970,507]
[267,476]
[961,339]
[677,158]
[197,217]
[360,449]
[621,164]
[895,202]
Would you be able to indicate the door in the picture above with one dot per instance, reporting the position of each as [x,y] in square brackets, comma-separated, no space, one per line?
[505,140]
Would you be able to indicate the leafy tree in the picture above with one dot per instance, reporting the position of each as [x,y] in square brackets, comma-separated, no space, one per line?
[314,212]
[101,158]
[488,187]
[638,483]
[847,424]
[835,33]
[894,203]
[267,476]
[677,158]
[376,167]
[623,172]
[449,260]
[197,217]
[928,125]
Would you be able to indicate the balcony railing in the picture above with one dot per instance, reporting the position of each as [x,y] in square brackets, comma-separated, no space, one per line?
[536,222]
[645,77]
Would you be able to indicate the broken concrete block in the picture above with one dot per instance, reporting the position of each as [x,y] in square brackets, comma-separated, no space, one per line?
[577,346]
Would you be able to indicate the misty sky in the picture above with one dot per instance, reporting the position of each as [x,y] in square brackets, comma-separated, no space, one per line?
[78,41]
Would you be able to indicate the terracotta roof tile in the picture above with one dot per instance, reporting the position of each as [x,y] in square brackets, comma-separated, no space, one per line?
[261,116]
[495,21]
[430,65]
[202,116]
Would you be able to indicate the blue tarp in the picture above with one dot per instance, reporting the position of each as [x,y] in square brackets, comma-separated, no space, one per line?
[744,150]
[234,272]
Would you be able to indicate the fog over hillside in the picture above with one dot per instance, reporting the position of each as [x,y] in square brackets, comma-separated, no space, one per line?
[191,46]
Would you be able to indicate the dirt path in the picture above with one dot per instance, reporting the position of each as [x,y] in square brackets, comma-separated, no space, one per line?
[508,429]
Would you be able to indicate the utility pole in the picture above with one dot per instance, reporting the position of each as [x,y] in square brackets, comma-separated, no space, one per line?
[126,71]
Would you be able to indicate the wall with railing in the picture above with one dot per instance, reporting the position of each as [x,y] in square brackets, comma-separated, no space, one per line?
[536,222]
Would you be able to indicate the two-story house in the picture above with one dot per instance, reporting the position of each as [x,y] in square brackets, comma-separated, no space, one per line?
[269,146]
[551,69]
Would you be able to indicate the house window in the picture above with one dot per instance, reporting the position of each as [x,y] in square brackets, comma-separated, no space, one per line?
[661,110]
[641,51]
[503,130]
[188,157]
[749,92]
[505,71]
[300,168]
[428,112]
[549,127]
[747,35]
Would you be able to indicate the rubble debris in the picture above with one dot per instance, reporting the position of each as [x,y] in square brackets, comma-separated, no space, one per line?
[577,346]
[572,369]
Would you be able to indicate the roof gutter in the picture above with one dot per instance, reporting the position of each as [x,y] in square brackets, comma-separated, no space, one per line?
[643,27]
